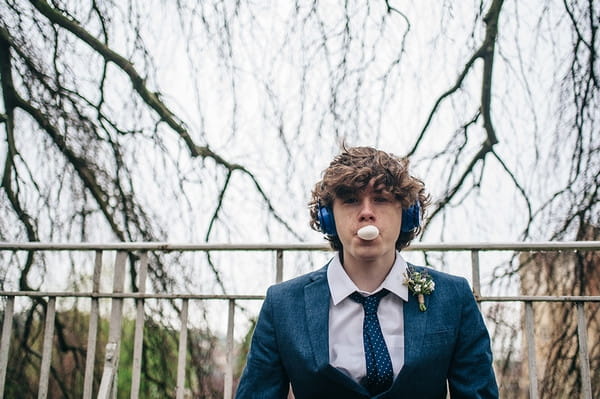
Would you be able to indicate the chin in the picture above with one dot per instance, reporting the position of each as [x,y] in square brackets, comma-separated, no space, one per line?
[368,252]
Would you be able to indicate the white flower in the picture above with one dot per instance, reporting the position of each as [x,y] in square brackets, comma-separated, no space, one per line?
[419,284]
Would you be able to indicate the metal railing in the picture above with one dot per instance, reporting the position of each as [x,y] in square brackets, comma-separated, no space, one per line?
[107,387]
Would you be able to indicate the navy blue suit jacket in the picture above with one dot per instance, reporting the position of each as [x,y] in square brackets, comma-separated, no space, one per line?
[447,346]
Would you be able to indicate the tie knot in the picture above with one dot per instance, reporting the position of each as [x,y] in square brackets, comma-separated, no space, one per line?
[370,303]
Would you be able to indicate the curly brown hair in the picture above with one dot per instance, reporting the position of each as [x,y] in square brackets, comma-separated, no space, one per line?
[353,170]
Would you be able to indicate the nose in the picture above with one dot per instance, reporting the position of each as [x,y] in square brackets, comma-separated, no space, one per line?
[366,212]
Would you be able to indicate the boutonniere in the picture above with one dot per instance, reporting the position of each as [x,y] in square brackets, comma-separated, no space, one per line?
[419,284]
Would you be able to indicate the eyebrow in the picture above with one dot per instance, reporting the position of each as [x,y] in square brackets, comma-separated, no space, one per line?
[382,190]
[345,192]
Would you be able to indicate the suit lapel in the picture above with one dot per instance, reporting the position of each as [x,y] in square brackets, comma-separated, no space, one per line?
[415,322]
[414,330]
[316,309]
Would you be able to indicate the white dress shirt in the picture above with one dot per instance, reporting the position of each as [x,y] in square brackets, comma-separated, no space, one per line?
[346,348]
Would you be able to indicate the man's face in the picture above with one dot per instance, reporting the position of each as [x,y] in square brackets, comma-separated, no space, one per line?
[369,206]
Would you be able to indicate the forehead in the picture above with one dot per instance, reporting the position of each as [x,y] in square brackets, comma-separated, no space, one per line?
[369,189]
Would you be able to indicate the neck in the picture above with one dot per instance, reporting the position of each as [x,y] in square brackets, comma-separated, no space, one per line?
[368,274]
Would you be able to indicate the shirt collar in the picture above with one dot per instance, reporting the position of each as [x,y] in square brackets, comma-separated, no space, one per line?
[341,286]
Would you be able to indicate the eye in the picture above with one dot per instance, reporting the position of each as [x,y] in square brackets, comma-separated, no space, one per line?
[350,200]
[383,198]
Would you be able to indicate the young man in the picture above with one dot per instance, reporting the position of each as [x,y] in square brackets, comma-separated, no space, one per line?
[369,325]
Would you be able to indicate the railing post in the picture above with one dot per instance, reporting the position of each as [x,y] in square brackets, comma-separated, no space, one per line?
[108,386]
[138,339]
[88,380]
[475,275]
[5,345]
[584,357]
[279,266]
[182,350]
[532,361]
[47,348]
[228,389]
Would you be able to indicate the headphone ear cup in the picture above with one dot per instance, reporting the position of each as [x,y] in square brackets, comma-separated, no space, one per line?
[326,222]
[411,218]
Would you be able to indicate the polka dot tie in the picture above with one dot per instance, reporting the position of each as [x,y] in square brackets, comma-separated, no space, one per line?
[379,365]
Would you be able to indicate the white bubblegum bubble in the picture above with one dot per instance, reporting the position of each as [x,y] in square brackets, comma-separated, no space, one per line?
[369,232]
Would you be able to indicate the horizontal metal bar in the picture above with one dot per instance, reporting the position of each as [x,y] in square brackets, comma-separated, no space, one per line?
[539,298]
[545,246]
[159,246]
[162,246]
[137,295]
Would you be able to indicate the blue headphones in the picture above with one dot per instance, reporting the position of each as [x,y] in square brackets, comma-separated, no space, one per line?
[411,219]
